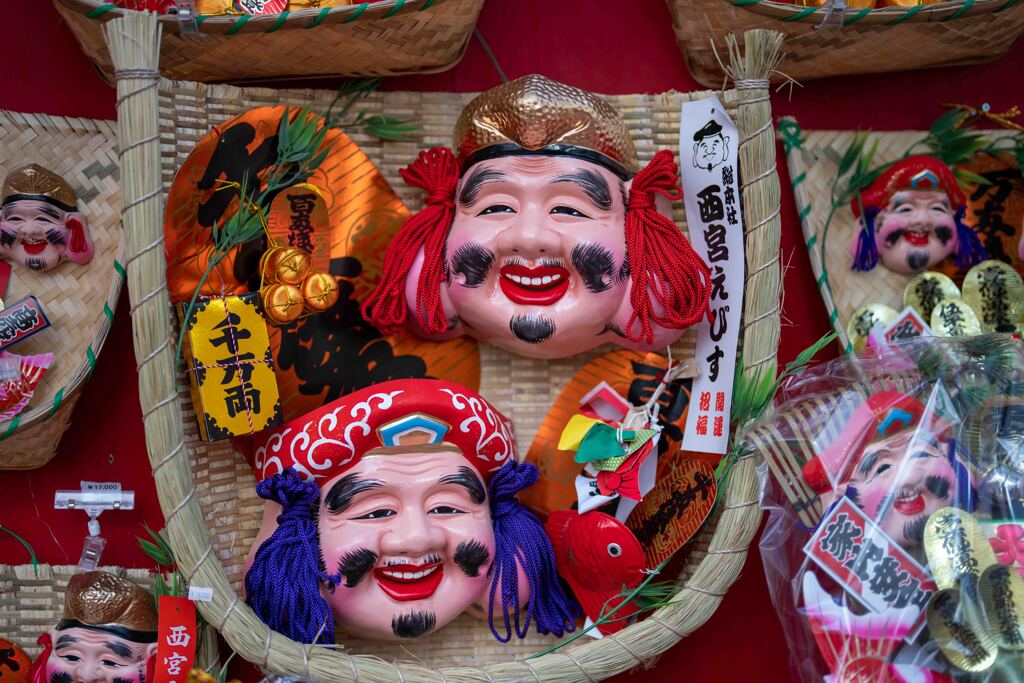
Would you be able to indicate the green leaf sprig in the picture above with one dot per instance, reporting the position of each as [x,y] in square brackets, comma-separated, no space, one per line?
[380,126]
[166,579]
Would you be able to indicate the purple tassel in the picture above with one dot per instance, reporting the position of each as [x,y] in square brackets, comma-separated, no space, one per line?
[867,249]
[519,539]
[969,250]
[283,584]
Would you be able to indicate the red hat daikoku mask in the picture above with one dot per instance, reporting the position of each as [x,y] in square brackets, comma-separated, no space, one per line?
[880,415]
[325,442]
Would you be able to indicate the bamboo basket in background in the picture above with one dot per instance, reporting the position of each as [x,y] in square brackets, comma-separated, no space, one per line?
[879,40]
[79,300]
[206,491]
[385,38]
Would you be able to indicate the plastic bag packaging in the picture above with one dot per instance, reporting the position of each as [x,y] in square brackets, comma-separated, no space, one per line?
[894,483]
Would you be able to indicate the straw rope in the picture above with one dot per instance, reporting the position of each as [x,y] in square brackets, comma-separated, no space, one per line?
[709,574]
[870,41]
[384,38]
[79,300]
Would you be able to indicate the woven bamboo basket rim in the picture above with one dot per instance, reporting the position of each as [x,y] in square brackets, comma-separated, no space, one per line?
[134,41]
[948,10]
[45,410]
[231,24]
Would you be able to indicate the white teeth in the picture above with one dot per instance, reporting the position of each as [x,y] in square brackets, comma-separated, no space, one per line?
[546,280]
[409,576]
[556,276]
[535,281]
[514,278]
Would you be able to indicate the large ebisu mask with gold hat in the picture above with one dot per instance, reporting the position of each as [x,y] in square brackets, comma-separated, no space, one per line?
[393,510]
[40,225]
[108,633]
[541,234]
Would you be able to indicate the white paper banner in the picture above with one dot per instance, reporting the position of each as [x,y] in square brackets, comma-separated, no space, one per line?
[708,152]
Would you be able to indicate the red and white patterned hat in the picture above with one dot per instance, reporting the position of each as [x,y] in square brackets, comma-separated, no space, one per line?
[401,413]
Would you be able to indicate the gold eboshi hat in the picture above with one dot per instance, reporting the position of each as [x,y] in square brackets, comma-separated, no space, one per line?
[536,115]
[35,182]
[100,600]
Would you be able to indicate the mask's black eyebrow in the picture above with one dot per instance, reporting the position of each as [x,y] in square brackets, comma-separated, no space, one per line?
[64,641]
[478,177]
[467,478]
[592,183]
[345,489]
[119,649]
[868,463]
[52,213]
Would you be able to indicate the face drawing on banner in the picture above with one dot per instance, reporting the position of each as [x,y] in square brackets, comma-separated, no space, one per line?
[40,225]
[107,635]
[410,533]
[710,146]
[893,460]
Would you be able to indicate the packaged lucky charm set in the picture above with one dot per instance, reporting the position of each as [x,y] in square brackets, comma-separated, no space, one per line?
[493,385]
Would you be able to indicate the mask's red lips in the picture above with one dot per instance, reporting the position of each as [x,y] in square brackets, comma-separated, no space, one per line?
[34,246]
[919,238]
[404,582]
[538,286]
[909,506]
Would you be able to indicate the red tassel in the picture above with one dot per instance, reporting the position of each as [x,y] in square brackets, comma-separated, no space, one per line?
[657,249]
[37,673]
[78,244]
[437,172]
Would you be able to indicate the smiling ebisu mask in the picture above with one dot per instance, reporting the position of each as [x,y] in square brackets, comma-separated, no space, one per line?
[541,233]
[40,225]
[913,219]
[391,511]
[107,634]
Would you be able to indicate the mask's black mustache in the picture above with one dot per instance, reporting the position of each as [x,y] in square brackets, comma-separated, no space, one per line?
[60,677]
[914,529]
[473,261]
[55,236]
[939,486]
[356,564]
[532,329]
[413,624]
[595,264]
[470,556]
[7,237]
[35,264]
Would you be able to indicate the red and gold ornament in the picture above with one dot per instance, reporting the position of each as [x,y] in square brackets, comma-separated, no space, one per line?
[292,287]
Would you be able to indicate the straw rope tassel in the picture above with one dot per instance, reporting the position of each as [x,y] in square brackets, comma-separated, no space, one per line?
[134,43]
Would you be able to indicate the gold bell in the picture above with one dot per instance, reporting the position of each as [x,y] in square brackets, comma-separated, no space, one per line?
[282,303]
[319,291]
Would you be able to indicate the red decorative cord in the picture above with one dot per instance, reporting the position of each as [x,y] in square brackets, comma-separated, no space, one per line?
[437,172]
[681,280]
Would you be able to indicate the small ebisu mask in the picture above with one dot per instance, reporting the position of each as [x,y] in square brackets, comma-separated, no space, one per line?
[391,511]
[40,225]
[895,458]
[913,219]
[541,234]
[108,634]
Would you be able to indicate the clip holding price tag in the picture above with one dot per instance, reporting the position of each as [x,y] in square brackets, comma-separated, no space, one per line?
[94,498]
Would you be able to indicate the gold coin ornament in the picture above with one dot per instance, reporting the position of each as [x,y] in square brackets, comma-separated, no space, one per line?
[996,293]
[282,303]
[954,318]
[864,320]
[957,549]
[1002,600]
[319,291]
[951,627]
[926,290]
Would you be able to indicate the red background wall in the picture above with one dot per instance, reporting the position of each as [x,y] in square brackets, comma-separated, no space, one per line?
[620,47]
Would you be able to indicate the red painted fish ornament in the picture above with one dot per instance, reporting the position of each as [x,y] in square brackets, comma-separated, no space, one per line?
[598,556]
